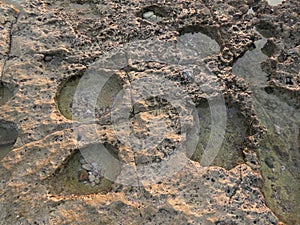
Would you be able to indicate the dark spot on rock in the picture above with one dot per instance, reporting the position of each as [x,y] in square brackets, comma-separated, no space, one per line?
[269,90]
[79,138]
[6,92]
[266,28]
[281,152]
[269,48]
[230,153]
[269,162]
[289,81]
[8,137]
[225,222]
[48,58]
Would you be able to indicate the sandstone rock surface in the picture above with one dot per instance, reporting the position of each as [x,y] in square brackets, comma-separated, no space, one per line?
[45,43]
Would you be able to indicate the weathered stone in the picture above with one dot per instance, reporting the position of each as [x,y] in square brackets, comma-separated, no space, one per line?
[83,175]
[148,15]
[87,167]
[46,45]
[91,178]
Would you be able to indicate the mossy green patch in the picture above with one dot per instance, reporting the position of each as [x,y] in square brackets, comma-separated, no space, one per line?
[66,180]
[66,92]
[65,96]
[230,153]
[279,152]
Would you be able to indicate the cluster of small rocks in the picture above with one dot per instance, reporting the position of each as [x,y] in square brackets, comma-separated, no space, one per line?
[102,111]
[150,15]
[85,110]
[89,173]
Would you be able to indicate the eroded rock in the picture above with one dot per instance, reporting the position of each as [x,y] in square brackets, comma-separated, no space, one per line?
[52,41]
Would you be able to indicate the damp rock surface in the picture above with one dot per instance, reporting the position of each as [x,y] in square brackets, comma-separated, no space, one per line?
[66,95]
[8,137]
[279,151]
[188,50]
[82,178]
[231,151]
[5,94]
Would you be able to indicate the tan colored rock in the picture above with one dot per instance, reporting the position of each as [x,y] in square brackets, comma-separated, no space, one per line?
[55,40]
[83,175]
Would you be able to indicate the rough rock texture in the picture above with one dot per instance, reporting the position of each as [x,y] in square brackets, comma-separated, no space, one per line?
[43,43]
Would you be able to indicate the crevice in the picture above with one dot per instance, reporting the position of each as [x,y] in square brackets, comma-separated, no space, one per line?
[9,45]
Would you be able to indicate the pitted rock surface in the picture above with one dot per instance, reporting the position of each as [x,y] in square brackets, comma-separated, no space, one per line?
[44,43]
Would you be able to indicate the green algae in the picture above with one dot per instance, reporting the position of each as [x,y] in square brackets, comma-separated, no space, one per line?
[230,153]
[65,96]
[66,179]
[279,152]
[66,92]
[109,91]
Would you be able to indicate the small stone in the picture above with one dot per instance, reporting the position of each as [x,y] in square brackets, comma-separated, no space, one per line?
[48,58]
[277,129]
[97,181]
[269,163]
[83,175]
[87,166]
[91,178]
[153,18]
[38,57]
[148,14]
[95,165]
[250,11]
[95,172]
[82,161]
[291,51]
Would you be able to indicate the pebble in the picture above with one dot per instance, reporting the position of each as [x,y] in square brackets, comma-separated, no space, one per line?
[291,51]
[277,129]
[95,165]
[48,58]
[92,178]
[269,163]
[83,175]
[250,11]
[96,173]
[87,166]
[153,18]
[82,161]
[148,14]
[97,181]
